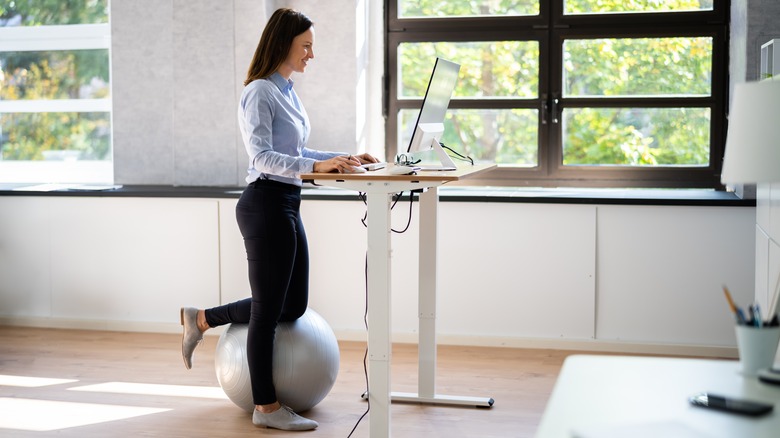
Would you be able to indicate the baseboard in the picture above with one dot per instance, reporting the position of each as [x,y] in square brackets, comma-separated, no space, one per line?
[585,345]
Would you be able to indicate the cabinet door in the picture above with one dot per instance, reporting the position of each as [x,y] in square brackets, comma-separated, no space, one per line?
[137,259]
[24,257]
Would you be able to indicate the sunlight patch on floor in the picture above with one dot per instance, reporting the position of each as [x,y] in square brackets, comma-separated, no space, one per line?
[154,389]
[47,415]
[31,382]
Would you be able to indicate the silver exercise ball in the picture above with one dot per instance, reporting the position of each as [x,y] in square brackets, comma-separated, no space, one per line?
[305,365]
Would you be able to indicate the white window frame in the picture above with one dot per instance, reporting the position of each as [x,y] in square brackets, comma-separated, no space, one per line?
[57,38]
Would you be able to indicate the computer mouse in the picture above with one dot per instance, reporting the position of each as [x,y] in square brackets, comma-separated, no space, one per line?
[358,169]
[403,170]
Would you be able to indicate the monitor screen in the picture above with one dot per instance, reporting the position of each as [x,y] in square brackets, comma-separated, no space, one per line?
[436,100]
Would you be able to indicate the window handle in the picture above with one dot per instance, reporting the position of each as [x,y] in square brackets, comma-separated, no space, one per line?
[544,108]
[555,107]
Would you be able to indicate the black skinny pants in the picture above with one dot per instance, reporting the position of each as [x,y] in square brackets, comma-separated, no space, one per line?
[268,215]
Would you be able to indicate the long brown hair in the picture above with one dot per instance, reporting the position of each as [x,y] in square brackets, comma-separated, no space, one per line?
[283,26]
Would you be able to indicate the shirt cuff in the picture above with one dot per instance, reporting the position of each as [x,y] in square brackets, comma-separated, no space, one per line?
[307,165]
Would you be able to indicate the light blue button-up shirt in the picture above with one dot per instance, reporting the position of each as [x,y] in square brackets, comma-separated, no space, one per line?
[275,129]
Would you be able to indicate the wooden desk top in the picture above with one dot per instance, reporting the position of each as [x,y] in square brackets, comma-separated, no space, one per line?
[463,171]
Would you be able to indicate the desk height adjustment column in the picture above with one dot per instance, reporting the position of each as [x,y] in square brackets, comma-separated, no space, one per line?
[379,347]
[427,294]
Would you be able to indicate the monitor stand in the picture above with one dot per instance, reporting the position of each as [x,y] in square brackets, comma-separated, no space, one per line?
[435,158]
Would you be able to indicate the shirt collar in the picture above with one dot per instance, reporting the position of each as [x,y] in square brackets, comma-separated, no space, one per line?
[285,85]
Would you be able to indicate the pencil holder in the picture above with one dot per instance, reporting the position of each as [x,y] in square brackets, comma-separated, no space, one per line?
[757,347]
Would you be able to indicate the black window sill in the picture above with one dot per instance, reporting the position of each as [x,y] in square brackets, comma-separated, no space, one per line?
[693,197]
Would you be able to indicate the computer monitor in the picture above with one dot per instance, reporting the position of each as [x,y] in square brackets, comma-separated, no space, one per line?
[424,144]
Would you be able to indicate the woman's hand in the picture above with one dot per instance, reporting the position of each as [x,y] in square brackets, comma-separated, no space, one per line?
[340,164]
[343,163]
[366,158]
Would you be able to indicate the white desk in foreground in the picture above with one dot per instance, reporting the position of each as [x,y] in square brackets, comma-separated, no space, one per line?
[620,396]
[379,187]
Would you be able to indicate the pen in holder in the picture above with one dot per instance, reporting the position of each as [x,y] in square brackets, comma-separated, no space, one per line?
[756,339]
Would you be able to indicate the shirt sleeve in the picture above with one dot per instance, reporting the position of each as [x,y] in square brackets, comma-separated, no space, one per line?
[258,109]
[320,155]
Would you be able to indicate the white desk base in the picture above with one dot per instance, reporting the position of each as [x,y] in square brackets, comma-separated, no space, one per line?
[379,199]
[451,400]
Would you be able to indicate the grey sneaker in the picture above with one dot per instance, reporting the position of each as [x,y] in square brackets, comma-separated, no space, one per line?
[192,336]
[283,418]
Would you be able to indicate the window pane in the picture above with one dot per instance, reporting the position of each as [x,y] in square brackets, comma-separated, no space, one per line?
[487,135]
[617,6]
[72,74]
[636,136]
[55,136]
[53,12]
[465,8]
[638,67]
[489,69]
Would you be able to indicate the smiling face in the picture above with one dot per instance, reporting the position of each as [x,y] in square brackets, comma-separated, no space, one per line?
[301,51]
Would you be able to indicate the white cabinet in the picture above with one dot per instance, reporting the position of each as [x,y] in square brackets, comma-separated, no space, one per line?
[25,277]
[767,270]
[511,274]
[661,271]
[121,263]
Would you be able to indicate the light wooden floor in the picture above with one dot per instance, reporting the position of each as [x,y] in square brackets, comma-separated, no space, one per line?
[520,381]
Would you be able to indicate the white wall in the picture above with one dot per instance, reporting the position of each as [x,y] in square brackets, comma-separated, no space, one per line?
[178,68]
[630,278]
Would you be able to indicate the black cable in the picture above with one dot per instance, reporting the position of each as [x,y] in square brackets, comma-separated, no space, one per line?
[405,160]
[365,355]
[409,219]
[458,155]
[396,198]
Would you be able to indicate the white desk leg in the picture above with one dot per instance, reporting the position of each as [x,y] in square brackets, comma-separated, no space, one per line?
[429,210]
[428,270]
[379,348]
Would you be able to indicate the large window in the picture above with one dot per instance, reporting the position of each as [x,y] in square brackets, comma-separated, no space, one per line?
[598,93]
[55,101]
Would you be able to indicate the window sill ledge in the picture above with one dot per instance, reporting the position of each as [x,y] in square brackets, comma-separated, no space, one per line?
[693,197]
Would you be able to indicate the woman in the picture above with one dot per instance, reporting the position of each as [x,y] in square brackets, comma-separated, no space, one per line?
[275,129]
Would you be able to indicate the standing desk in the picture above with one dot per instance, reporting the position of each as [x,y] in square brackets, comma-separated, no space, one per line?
[379,187]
